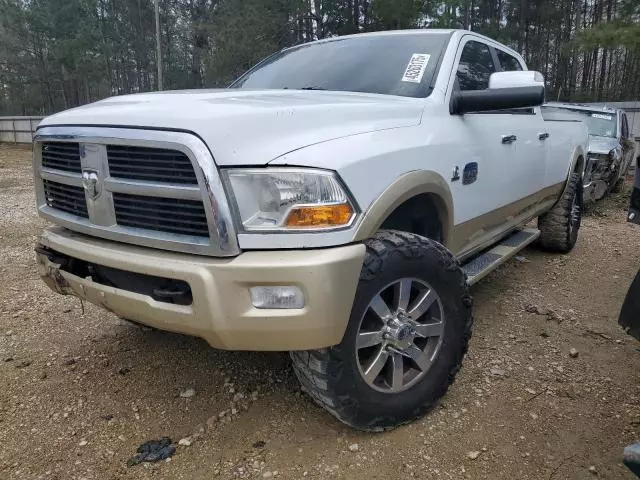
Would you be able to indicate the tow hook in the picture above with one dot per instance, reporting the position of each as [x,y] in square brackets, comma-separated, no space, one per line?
[178,293]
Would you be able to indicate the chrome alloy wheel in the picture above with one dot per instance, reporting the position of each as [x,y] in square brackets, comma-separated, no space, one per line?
[400,335]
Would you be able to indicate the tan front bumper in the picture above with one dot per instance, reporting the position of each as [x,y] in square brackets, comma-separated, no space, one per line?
[221,311]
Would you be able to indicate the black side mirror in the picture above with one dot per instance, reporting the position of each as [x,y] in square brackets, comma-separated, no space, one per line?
[496,99]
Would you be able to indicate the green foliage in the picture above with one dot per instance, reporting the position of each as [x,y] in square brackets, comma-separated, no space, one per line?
[613,34]
[56,54]
[394,14]
[245,32]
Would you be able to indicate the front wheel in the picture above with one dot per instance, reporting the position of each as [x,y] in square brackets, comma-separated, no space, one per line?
[407,335]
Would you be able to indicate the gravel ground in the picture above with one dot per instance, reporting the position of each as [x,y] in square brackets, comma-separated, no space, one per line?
[80,389]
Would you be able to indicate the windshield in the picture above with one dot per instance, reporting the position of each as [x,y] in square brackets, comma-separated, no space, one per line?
[602,124]
[387,64]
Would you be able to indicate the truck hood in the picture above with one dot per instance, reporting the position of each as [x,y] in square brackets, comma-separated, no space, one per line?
[602,144]
[244,127]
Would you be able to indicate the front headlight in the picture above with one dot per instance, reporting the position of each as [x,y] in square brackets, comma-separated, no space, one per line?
[288,199]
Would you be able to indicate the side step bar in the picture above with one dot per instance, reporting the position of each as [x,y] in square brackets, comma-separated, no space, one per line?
[479,267]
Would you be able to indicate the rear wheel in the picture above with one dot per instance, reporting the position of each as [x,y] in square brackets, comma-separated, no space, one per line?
[405,341]
[559,227]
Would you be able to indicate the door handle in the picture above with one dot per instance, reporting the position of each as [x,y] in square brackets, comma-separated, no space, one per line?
[509,139]
[543,136]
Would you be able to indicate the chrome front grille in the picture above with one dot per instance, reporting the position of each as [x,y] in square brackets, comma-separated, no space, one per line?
[61,156]
[150,164]
[184,217]
[152,188]
[67,198]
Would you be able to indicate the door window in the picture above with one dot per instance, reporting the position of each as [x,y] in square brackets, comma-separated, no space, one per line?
[476,66]
[509,63]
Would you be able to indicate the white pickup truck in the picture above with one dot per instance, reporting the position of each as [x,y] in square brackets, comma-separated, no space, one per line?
[336,202]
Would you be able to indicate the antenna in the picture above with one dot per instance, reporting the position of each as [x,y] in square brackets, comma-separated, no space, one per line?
[158,49]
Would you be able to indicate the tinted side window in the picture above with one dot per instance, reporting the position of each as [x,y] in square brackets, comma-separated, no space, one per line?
[509,63]
[476,66]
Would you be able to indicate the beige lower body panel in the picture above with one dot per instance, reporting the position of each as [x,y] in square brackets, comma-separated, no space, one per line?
[475,235]
[221,312]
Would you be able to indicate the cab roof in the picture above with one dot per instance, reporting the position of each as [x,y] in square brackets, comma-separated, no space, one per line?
[417,31]
[581,106]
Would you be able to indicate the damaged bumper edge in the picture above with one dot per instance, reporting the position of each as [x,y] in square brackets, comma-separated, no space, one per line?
[221,310]
[49,271]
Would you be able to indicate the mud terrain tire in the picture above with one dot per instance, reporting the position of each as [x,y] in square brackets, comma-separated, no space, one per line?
[559,227]
[332,376]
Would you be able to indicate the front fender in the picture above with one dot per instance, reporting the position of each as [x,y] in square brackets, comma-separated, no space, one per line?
[407,186]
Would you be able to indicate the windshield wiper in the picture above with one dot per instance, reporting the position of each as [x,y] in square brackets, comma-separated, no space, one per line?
[305,88]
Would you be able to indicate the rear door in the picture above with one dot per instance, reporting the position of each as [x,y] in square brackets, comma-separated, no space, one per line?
[531,149]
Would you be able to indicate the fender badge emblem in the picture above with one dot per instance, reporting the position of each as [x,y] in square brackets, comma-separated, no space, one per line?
[456,174]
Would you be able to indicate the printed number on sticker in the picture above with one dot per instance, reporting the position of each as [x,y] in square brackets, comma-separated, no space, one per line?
[415,69]
[603,117]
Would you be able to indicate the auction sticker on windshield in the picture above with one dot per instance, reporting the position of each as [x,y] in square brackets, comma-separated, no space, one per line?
[602,117]
[416,67]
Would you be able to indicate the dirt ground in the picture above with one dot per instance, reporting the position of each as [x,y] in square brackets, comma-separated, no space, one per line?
[80,389]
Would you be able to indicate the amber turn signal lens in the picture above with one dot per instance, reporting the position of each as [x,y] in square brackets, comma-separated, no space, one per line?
[320,216]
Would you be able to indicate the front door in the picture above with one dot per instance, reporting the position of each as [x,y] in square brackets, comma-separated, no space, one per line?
[501,147]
